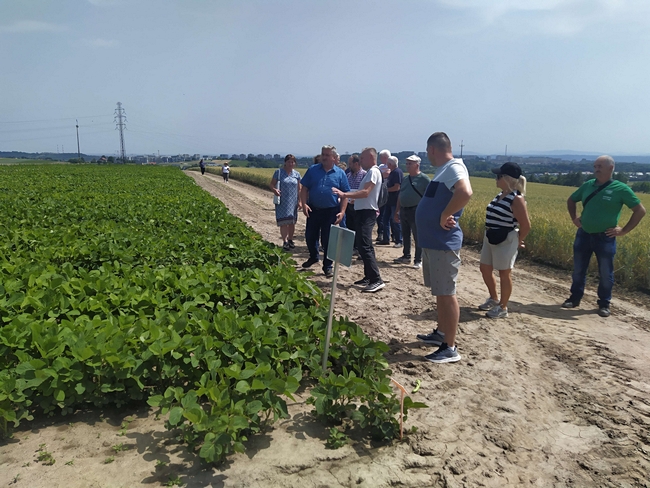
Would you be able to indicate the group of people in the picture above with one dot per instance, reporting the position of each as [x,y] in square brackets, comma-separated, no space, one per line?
[429,210]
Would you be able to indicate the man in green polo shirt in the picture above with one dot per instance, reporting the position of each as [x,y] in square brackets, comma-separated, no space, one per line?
[602,200]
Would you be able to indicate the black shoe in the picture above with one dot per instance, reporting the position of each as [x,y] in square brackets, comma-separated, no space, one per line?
[382,243]
[359,258]
[373,287]
[328,272]
[604,312]
[309,262]
[286,246]
[291,244]
[362,282]
[570,303]
[435,338]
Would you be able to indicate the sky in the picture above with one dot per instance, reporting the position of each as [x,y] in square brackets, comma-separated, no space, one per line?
[288,76]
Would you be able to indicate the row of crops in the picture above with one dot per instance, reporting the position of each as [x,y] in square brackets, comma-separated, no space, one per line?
[121,285]
[551,238]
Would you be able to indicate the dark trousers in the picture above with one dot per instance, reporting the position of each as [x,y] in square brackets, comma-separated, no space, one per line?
[225,177]
[380,222]
[319,221]
[202,171]
[351,220]
[407,217]
[390,226]
[605,249]
[366,220]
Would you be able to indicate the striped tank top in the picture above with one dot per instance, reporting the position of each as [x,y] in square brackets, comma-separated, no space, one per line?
[499,212]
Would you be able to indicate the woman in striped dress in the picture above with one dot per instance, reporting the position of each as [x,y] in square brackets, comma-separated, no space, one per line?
[507,225]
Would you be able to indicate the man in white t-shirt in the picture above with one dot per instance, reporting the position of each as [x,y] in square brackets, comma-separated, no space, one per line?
[366,209]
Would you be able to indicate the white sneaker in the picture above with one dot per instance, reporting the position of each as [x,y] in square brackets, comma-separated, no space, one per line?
[497,313]
[418,265]
[489,304]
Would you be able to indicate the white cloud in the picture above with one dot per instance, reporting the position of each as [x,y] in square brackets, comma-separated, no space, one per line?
[32,26]
[102,42]
[552,17]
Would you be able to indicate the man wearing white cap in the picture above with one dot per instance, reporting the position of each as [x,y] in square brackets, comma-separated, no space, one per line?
[410,194]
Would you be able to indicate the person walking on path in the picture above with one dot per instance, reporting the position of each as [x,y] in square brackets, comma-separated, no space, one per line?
[410,194]
[202,166]
[441,239]
[365,206]
[507,225]
[225,172]
[602,200]
[286,185]
[322,207]
[355,176]
[392,229]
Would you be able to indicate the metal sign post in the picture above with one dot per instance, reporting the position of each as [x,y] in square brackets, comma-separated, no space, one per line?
[339,249]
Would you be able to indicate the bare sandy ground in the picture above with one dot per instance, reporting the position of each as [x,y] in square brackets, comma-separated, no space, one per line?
[546,397]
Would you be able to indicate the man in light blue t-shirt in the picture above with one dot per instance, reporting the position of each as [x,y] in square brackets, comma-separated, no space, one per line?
[441,238]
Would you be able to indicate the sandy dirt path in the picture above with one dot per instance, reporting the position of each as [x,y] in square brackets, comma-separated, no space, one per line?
[547,397]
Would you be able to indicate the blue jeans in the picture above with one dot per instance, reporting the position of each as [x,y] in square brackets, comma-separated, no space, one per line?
[319,221]
[390,226]
[605,249]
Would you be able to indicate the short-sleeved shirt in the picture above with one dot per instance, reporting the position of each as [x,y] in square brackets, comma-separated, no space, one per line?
[370,202]
[354,180]
[320,184]
[409,197]
[603,210]
[436,198]
[394,178]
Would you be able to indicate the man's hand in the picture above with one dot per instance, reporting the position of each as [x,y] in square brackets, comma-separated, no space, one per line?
[339,217]
[306,209]
[338,192]
[447,222]
[577,222]
[521,244]
[396,218]
[615,232]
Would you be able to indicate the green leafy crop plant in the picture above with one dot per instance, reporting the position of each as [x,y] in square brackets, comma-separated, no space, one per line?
[122,284]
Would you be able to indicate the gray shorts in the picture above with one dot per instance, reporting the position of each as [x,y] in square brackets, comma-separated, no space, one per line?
[501,256]
[440,269]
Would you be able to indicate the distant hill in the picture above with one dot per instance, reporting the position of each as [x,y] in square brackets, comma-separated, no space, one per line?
[47,156]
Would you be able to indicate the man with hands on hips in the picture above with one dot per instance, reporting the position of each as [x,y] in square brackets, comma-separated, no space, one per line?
[602,200]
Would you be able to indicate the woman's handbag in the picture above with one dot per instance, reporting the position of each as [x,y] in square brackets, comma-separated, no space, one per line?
[497,235]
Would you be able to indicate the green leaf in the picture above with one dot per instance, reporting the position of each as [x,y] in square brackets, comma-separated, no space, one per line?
[175,415]
[242,387]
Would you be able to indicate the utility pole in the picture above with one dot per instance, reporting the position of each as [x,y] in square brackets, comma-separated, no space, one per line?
[120,120]
[461,148]
[506,151]
[78,151]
